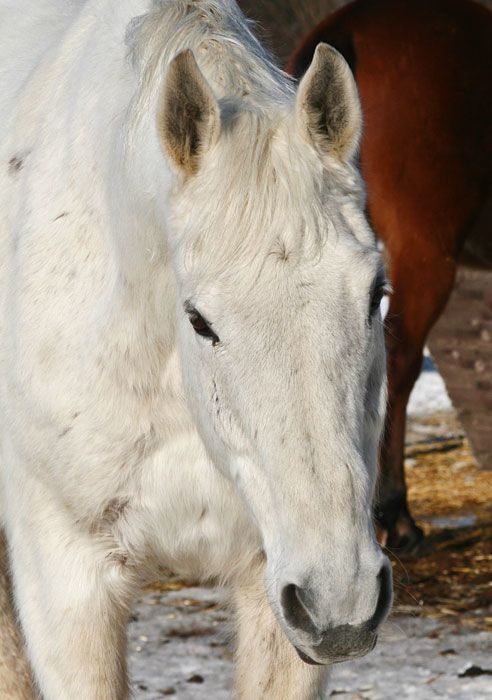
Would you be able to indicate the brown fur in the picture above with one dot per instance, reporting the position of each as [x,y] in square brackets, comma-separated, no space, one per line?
[15,674]
[423,73]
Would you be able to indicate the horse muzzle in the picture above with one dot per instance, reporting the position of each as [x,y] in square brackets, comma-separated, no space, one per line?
[336,643]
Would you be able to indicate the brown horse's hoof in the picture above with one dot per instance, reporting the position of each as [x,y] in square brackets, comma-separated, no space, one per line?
[396,529]
[405,537]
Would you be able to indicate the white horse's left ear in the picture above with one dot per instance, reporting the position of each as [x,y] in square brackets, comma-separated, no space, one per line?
[327,107]
[189,114]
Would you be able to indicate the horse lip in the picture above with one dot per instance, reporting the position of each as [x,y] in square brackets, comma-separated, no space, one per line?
[307,659]
[336,660]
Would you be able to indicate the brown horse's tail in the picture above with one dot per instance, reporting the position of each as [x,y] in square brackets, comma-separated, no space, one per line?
[15,674]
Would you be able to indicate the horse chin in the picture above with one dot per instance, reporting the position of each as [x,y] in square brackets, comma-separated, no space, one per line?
[330,660]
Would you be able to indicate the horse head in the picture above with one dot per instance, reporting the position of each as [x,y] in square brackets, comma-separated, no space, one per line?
[279,283]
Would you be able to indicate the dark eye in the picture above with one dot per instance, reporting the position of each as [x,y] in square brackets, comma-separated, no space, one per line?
[200,325]
[381,288]
[377,297]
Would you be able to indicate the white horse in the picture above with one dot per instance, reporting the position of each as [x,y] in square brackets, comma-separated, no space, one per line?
[191,349]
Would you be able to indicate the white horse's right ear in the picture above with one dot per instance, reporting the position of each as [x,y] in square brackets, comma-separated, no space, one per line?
[189,115]
[327,107]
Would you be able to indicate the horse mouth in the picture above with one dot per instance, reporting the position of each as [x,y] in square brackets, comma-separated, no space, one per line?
[336,660]
[307,659]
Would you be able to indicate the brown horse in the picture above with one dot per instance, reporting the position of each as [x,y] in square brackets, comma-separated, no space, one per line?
[424,72]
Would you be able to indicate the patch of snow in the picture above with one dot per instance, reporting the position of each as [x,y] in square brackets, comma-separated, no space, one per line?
[429,394]
[178,647]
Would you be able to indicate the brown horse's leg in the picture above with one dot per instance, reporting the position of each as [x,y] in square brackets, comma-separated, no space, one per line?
[399,530]
[422,280]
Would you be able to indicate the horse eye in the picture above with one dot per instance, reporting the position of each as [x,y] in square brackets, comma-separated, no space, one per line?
[380,290]
[377,297]
[201,326]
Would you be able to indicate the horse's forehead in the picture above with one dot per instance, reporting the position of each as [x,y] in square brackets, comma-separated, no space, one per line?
[340,255]
[320,281]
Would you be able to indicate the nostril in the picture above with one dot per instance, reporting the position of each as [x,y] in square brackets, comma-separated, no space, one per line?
[294,604]
[384,598]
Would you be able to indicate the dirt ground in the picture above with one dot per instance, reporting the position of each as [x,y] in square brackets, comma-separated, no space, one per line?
[438,641]
[452,499]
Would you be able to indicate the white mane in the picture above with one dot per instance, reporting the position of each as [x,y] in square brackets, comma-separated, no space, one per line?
[228,53]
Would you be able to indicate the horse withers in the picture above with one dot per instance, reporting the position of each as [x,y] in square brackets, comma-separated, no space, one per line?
[192,351]
[423,73]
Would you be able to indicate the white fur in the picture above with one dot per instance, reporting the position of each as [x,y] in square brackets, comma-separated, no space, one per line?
[129,444]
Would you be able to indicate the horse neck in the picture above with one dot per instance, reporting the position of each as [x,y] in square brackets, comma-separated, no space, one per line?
[139,191]
[136,182]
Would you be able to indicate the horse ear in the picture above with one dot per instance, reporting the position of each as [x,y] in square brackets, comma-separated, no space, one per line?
[328,107]
[189,115]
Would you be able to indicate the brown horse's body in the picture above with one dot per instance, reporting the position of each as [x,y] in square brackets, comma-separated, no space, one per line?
[424,72]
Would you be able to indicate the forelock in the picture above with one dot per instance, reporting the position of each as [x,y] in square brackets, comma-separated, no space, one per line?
[263,191]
